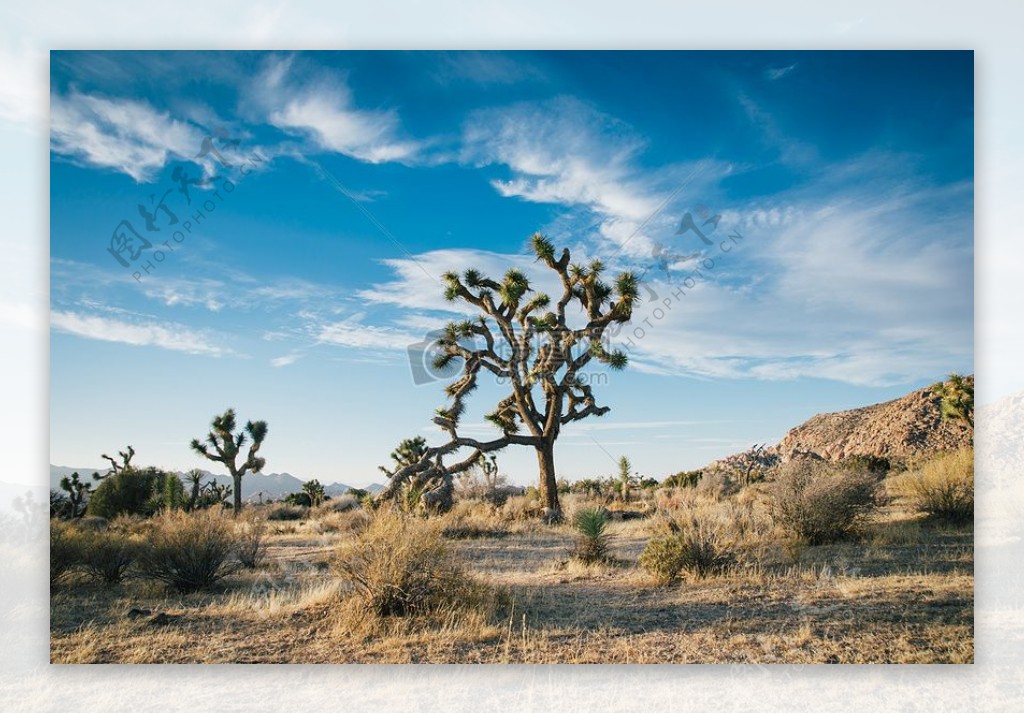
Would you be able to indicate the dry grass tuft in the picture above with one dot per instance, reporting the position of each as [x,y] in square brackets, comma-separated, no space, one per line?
[251,536]
[401,565]
[942,487]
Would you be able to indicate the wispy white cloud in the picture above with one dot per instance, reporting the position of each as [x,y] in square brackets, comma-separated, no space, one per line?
[122,134]
[285,360]
[353,332]
[774,73]
[417,284]
[566,152]
[167,336]
[322,109]
[872,289]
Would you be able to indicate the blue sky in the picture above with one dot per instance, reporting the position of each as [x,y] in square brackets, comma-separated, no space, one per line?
[849,176]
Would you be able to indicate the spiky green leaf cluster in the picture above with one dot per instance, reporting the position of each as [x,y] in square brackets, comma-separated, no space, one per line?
[543,248]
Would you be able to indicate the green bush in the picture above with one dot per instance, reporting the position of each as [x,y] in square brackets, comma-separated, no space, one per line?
[189,551]
[141,492]
[693,548]
[821,502]
[593,541]
[942,487]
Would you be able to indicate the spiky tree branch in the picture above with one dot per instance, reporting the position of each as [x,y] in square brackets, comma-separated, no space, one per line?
[115,467]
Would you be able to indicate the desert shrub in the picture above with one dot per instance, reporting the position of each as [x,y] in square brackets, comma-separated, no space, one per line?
[298,499]
[691,545]
[98,523]
[877,465]
[717,484]
[402,566]
[593,542]
[189,551]
[522,508]
[353,520]
[472,519]
[251,545]
[65,549]
[591,487]
[286,512]
[60,505]
[942,487]
[820,502]
[339,504]
[136,491]
[108,554]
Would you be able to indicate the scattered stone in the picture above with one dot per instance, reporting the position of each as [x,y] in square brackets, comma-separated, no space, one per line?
[161,619]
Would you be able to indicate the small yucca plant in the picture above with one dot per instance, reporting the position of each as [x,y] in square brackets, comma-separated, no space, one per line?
[593,540]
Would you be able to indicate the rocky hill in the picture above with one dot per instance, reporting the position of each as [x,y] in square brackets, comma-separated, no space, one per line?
[901,428]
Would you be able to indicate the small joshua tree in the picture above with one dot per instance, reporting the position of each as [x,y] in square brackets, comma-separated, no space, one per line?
[624,477]
[314,492]
[223,445]
[194,478]
[409,452]
[525,339]
[957,398]
[216,494]
[78,493]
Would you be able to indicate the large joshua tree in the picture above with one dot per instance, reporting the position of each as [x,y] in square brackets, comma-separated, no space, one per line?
[532,345]
[224,446]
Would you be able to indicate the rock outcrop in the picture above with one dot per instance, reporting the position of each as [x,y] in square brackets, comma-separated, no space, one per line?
[906,427]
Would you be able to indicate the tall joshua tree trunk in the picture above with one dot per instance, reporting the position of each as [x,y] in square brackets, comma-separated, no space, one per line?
[236,481]
[548,484]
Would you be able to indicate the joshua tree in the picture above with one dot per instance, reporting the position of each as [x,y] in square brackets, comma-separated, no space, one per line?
[125,465]
[78,493]
[409,452]
[218,493]
[224,446]
[314,491]
[957,398]
[624,477]
[527,342]
[489,469]
[194,478]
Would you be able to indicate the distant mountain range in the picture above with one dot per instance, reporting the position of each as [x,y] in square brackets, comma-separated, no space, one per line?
[254,486]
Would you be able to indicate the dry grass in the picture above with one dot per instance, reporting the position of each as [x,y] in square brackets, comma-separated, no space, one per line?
[901,591]
[942,487]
